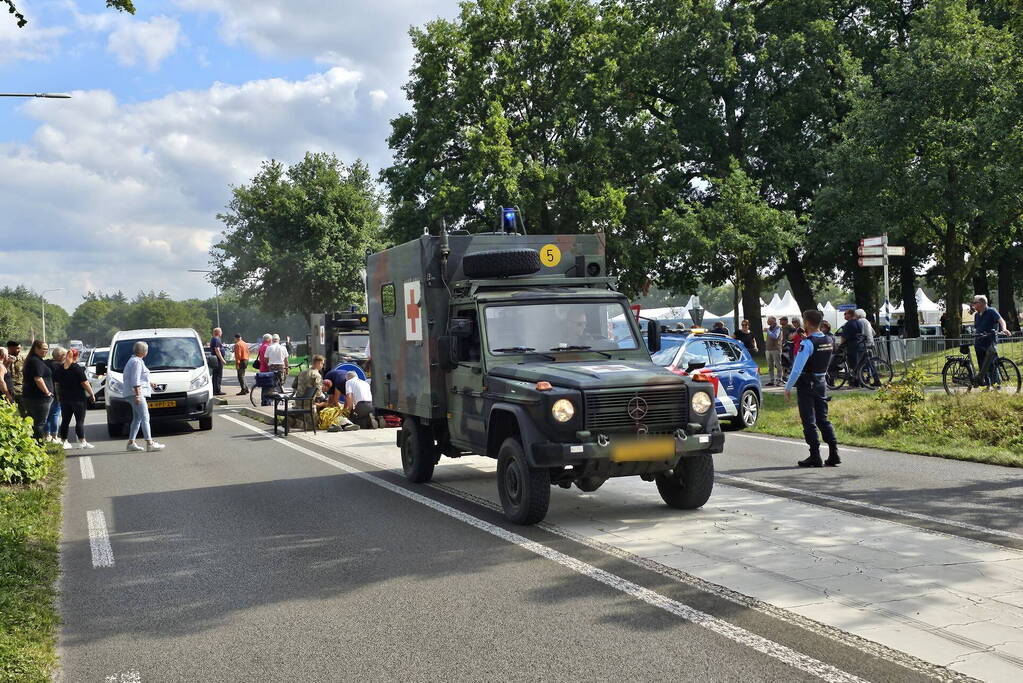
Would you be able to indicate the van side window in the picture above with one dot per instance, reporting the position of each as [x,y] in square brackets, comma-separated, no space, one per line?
[387,301]
[469,348]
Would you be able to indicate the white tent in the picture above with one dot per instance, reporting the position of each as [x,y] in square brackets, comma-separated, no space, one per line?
[930,313]
[772,308]
[786,306]
[830,314]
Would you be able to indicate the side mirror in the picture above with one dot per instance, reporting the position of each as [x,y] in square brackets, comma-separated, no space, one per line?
[695,365]
[461,328]
[101,368]
[446,347]
[653,336]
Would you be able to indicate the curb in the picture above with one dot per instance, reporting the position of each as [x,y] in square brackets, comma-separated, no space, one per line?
[257,415]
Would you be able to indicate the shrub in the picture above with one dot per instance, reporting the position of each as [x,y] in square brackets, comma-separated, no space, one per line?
[901,401]
[22,459]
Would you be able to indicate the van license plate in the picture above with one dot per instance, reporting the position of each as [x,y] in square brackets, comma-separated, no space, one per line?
[643,449]
[163,404]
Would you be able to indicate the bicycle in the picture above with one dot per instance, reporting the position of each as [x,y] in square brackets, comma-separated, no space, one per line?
[278,387]
[872,371]
[959,377]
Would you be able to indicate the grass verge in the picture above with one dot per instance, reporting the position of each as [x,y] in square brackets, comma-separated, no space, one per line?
[29,533]
[979,427]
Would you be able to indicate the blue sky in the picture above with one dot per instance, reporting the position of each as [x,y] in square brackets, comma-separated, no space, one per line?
[118,187]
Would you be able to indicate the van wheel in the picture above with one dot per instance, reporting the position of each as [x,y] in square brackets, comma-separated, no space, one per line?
[525,491]
[116,430]
[206,423]
[417,456]
[689,485]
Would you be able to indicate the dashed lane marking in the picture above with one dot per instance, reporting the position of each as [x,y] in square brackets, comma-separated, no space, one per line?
[734,633]
[871,506]
[85,462]
[126,677]
[99,541]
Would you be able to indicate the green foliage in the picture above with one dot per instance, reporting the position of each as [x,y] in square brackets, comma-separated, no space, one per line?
[22,458]
[29,536]
[8,321]
[27,315]
[296,238]
[901,401]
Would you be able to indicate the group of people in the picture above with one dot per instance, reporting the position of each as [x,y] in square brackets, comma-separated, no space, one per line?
[343,400]
[51,390]
[271,356]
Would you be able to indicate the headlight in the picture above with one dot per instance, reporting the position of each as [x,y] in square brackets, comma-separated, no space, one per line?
[115,387]
[701,402]
[199,382]
[563,410]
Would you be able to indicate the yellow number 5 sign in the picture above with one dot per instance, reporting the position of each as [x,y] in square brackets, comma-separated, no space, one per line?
[550,255]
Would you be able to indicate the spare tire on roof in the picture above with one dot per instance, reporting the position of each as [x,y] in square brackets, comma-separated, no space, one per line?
[501,263]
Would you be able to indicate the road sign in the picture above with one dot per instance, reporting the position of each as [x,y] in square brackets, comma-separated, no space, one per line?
[874,241]
[896,251]
[870,251]
[879,261]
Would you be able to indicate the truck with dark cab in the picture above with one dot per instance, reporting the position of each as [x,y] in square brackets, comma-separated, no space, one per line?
[504,344]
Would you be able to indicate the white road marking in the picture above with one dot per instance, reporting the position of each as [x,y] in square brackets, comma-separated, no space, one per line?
[127,677]
[872,506]
[102,553]
[85,462]
[791,442]
[734,633]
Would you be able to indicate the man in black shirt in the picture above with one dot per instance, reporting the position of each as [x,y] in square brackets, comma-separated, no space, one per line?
[850,333]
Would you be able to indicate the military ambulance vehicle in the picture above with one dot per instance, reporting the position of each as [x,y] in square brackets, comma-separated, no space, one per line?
[502,344]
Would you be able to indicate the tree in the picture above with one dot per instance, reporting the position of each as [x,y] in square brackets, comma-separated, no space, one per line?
[936,148]
[120,5]
[739,236]
[8,322]
[156,312]
[296,238]
[91,322]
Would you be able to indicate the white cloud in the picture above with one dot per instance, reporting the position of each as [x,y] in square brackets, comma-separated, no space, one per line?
[148,41]
[123,196]
[371,37]
[34,42]
[378,99]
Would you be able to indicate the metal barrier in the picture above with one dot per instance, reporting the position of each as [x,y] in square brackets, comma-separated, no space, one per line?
[929,353]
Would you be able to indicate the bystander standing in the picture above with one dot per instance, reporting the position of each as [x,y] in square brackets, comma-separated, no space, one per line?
[241,362]
[37,392]
[261,364]
[772,348]
[74,393]
[53,417]
[6,383]
[744,335]
[276,358]
[15,367]
[217,367]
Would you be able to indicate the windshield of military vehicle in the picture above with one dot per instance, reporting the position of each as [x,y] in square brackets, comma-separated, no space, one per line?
[546,328]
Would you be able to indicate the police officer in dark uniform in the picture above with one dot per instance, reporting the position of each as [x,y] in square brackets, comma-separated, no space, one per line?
[808,372]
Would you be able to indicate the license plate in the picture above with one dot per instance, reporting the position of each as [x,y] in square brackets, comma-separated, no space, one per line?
[163,404]
[655,448]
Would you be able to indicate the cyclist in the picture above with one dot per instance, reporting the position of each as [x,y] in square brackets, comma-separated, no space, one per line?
[987,323]
[850,335]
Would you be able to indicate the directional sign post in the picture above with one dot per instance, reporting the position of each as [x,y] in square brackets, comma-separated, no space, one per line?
[874,252]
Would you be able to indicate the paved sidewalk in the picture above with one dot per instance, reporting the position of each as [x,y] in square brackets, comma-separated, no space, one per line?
[948,600]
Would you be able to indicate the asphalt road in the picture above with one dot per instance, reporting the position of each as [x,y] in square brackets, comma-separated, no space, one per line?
[232,557]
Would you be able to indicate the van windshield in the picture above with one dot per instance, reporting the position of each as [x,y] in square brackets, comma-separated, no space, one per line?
[563,326]
[165,353]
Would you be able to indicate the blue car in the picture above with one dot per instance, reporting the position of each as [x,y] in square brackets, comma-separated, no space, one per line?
[724,362]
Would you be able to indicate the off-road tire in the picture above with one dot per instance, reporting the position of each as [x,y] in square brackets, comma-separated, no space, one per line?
[417,452]
[206,423]
[487,264]
[525,491]
[689,486]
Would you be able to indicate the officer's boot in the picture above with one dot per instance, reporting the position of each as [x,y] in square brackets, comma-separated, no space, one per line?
[814,460]
[833,458]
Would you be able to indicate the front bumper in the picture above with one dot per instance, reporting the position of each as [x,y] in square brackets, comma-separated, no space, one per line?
[590,454]
[189,407]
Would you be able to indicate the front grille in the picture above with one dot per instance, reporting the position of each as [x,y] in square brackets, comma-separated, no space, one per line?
[608,411]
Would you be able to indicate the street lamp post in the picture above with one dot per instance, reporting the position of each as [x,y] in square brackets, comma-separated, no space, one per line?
[42,306]
[215,289]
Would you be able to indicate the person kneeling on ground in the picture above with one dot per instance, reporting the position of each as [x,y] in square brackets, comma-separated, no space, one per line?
[331,414]
[359,400]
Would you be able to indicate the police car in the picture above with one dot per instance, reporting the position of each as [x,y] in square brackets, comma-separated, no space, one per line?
[722,361]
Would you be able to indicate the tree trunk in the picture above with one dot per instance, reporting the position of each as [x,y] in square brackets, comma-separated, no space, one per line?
[1007,292]
[865,290]
[751,307]
[907,282]
[797,280]
[956,278]
[735,302]
[980,283]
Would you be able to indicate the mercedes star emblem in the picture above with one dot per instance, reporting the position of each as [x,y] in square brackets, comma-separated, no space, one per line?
[637,408]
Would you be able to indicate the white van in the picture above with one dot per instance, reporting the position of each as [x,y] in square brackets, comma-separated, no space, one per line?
[177,366]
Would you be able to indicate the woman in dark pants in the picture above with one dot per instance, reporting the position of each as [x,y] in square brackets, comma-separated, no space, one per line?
[74,391]
[37,392]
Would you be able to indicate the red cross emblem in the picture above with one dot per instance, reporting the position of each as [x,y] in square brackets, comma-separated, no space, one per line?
[412,309]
